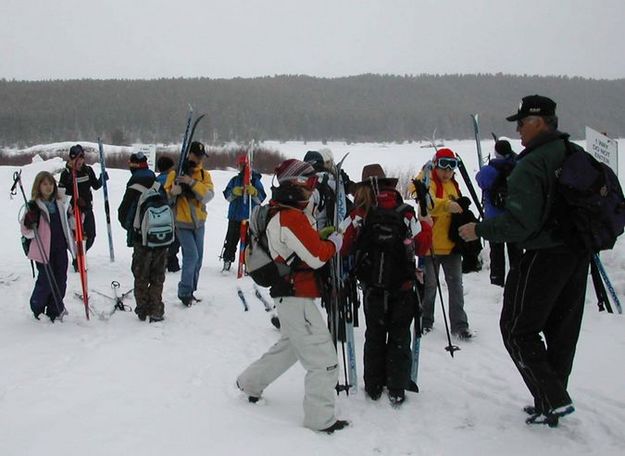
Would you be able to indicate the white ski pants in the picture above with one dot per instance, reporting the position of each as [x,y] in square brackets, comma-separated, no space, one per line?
[304,338]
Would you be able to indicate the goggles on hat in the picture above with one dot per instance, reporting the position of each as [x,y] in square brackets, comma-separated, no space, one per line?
[447,163]
[305,181]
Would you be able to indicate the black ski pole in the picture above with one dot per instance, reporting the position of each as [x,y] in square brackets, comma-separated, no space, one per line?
[450,347]
[467,181]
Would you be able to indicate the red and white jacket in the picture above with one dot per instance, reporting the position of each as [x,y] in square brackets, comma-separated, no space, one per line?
[290,231]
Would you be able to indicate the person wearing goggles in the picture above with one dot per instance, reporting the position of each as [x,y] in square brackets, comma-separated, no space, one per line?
[304,334]
[444,192]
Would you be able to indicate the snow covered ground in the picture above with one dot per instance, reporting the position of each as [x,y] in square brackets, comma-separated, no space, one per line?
[124,387]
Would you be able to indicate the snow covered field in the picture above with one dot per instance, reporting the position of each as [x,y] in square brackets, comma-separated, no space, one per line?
[123,387]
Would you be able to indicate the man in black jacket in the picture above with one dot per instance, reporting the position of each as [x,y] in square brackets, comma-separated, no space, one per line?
[545,293]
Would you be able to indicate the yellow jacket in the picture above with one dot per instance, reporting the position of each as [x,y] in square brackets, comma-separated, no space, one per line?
[441,244]
[190,207]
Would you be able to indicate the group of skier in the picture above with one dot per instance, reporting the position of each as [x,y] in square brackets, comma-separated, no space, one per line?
[330,241]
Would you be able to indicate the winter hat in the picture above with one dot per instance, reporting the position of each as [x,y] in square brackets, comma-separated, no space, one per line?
[534,105]
[164,163]
[503,148]
[444,153]
[76,151]
[292,169]
[328,156]
[138,158]
[197,148]
[315,159]
[374,173]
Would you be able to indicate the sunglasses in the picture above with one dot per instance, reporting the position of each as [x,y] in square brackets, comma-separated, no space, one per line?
[447,163]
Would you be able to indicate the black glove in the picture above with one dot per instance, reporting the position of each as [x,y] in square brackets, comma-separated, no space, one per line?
[31,218]
[105,175]
[82,204]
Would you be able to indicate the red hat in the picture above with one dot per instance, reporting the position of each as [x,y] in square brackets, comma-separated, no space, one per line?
[292,169]
[444,153]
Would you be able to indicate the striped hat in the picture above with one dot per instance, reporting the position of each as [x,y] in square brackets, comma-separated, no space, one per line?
[293,169]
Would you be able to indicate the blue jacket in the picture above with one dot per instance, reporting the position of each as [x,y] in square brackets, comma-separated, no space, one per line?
[486,178]
[239,209]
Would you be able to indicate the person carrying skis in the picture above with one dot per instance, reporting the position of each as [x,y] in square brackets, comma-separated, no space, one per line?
[188,195]
[148,263]
[87,180]
[385,234]
[323,197]
[544,294]
[164,165]
[492,180]
[444,191]
[47,214]
[237,195]
[304,335]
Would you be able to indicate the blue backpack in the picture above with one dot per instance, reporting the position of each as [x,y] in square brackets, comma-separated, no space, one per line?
[590,210]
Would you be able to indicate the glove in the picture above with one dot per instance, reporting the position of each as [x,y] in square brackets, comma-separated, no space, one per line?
[325,232]
[31,218]
[104,175]
[237,191]
[251,190]
[336,238]
[175,190]
[81,203]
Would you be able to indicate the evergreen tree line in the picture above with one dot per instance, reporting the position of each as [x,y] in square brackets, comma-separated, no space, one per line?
[354,109]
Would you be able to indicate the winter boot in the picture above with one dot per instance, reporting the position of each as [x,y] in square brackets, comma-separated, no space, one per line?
[374,391]
[226,267]
[396,397]
[337,426]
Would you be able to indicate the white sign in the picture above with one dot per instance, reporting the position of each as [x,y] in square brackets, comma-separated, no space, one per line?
[603,148]
[149,150]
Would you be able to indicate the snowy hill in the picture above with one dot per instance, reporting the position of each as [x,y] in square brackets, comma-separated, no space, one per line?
[125,387]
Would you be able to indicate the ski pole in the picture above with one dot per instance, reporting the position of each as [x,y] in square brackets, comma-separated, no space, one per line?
[107,210]
[450,347]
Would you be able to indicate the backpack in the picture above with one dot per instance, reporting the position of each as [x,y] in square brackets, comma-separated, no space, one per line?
[589,210]
[499,190]
[382,259]
[154,218]
[259,265]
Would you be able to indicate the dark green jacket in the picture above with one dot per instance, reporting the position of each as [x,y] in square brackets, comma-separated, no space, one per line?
[531,192]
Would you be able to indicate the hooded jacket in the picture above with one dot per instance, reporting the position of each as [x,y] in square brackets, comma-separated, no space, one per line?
[45,233]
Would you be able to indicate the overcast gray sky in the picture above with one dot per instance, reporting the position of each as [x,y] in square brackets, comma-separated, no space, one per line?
[67,39]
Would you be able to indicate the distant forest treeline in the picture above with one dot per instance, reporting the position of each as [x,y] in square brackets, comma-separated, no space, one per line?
[354,109]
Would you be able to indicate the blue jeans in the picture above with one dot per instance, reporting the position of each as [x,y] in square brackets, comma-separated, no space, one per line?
[192,244]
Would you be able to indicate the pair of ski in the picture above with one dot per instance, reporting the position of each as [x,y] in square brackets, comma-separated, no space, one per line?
[342,305]
[269,307]
[117,299]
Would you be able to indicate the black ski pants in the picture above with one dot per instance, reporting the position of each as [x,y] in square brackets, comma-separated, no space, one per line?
[498,260]
[232,240]
[545,294]
[387,352]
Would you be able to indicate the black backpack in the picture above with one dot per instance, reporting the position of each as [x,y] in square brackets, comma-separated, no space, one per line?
[499,190]
[382,257]
[589,211]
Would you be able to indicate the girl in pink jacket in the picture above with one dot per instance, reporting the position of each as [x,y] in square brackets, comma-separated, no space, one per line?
[47,214]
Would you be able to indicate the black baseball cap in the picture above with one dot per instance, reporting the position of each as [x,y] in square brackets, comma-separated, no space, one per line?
[534,105]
